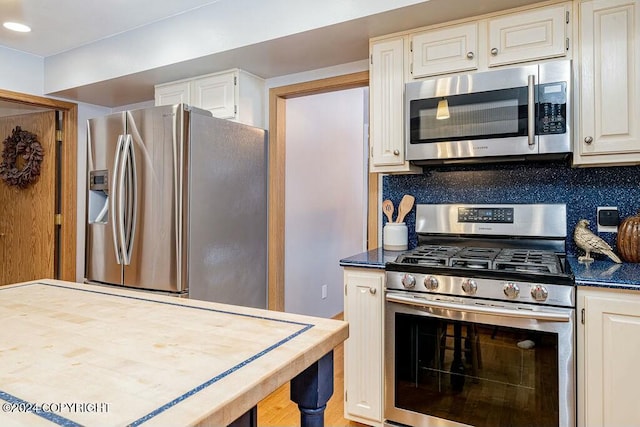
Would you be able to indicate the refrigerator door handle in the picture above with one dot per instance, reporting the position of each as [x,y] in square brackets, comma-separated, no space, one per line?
[122,240]
[114,198]
[133,197]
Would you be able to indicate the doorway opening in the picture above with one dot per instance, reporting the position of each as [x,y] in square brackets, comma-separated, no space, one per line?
[277,167]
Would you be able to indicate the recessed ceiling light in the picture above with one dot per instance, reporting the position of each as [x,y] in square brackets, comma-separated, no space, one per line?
[15,26]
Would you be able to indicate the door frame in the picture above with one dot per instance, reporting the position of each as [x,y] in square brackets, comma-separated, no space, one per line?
[68,174]
[276,181]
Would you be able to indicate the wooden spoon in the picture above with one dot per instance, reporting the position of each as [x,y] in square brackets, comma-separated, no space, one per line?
[387,208]
[405,206]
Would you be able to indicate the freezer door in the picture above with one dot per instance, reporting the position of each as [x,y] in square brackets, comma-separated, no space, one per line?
[102,257]
[227,247]
[153,221]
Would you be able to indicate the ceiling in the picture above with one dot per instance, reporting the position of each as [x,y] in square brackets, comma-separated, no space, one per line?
[63,25]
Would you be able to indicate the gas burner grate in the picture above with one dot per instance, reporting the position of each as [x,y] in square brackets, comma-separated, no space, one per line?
[515,260]
[528,261]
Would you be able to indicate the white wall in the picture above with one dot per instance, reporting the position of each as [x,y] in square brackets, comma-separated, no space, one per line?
[218,27]
[21,72]
[325,197]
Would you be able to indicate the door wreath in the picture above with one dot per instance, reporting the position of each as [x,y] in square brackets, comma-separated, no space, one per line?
[21,143]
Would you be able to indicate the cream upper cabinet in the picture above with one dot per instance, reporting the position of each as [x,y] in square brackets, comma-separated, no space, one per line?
[608,350]
[386,112]
[444,50]
[363,350]
[608,129]
[527,36]
[173,93]
[216,93]
[233,94]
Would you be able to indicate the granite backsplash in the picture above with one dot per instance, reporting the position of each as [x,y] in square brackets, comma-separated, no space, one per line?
[581,189]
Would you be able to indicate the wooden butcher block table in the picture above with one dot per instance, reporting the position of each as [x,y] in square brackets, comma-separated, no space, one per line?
[74,354]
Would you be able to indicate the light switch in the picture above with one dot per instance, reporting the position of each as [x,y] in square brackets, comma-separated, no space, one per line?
[608,219]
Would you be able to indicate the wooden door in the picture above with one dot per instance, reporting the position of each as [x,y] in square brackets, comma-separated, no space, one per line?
[27,239]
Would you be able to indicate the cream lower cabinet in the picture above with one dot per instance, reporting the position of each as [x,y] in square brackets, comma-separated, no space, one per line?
[363,350]
[608,354]
[608,131]
[234,94]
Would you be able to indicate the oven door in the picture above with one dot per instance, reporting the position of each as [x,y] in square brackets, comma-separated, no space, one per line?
[463,361]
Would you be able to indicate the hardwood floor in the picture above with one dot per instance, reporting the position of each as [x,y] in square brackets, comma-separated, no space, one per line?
[277,410]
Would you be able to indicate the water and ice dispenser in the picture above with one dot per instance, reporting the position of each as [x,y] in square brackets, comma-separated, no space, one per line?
[98,206]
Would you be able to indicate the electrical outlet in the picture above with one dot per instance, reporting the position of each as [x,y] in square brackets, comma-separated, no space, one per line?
[324,291]
[608,219]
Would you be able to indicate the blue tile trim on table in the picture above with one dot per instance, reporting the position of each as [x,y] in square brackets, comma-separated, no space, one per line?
[15,403]
[581,189]
[66,422]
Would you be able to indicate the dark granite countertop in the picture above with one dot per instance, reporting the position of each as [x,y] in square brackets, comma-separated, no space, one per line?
[375,258]
[599,273]
[606,274]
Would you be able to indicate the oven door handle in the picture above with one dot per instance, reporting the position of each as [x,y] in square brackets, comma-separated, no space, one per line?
[493,311]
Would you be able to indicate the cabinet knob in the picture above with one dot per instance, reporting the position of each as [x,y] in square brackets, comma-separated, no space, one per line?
[494,51]
[372,290]
[588,140]
[396,152]
[470,55]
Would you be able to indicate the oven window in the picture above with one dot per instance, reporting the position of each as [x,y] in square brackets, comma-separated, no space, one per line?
[476,374]
[496,114]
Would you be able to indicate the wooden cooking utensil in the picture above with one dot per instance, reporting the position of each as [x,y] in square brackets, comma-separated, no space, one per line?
[387,208]
[405,206]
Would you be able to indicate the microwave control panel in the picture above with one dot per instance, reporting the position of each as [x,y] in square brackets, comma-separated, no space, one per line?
[551,108]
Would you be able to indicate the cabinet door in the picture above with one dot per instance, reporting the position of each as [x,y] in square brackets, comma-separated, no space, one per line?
[611,349]
[173,93]
[217,94]
[528,36]
[386,98]
[446,50]
[609,89]
[363,349]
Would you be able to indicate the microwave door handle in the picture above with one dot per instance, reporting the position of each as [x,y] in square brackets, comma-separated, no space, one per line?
[493,311]
[531,108]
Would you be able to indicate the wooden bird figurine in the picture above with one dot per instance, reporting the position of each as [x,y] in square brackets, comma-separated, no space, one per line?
[589,242]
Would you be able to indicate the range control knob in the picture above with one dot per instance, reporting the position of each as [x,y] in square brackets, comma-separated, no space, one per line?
[539,293]
[511,290]
[431,283]
[408,281]
[469,286]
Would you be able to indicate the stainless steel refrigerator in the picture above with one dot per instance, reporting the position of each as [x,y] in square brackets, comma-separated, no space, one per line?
[177,202]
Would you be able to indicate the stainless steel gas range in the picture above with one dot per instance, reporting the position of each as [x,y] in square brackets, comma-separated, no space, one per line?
[479,322]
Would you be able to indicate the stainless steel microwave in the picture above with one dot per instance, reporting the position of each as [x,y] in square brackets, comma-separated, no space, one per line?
[512,114]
